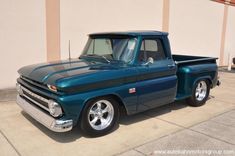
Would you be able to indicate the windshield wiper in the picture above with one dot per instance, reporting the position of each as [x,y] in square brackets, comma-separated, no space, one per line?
[102,56]
[105,58]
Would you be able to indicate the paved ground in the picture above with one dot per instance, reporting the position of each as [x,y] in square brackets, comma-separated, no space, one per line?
[172,127]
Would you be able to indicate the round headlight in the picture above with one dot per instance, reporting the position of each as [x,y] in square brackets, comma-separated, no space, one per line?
[54,108]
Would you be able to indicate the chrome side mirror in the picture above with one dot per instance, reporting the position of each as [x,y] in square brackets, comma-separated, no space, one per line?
[149,61]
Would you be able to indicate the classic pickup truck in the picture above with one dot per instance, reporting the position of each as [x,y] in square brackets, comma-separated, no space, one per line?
[128,72]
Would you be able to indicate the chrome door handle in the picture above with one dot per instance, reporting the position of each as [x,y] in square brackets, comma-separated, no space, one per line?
[171,65]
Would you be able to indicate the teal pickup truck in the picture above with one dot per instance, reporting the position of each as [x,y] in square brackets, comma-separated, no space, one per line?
[117,71]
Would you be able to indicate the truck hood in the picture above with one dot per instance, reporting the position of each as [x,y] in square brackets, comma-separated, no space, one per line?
[52,71]
[76,72]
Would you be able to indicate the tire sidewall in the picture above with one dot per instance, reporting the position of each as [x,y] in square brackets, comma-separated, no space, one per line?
[194,99]
[85,125]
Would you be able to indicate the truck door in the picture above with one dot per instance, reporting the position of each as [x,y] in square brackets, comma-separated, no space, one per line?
[157,81]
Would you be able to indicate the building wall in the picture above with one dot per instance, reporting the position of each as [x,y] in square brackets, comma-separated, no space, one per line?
[81,17]
[33,31]
[195,27]
[230,36]
[22,37]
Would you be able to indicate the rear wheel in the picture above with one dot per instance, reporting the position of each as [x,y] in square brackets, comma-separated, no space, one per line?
[99,116]
[200,93]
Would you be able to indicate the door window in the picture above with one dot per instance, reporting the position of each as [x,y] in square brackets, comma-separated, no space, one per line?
[151,48]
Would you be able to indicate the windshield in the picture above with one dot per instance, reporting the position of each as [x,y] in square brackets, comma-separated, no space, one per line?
[110,48]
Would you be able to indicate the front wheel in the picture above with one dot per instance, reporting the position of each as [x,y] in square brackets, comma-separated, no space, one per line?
[200,93]
[99,116]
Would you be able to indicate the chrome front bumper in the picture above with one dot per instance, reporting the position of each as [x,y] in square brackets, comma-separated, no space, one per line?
[51,123]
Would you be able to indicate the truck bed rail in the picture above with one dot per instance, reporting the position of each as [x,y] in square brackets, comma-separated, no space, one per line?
[186,59]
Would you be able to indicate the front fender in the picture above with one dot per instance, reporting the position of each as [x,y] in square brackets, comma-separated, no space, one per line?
[74,104]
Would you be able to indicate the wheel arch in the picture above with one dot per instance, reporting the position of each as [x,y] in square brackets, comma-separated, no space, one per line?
[192,101]
[122,107]
[208,78]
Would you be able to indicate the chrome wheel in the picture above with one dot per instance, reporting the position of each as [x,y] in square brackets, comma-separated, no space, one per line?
[101,115]
[201,90]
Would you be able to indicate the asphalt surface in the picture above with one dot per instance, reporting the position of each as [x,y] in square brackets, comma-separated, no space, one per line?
[174,129]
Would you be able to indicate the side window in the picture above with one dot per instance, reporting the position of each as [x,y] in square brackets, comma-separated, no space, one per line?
[151,48]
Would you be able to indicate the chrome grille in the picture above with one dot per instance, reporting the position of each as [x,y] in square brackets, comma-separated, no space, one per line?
[34,98]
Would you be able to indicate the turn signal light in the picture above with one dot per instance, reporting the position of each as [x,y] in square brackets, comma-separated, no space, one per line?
[53,88]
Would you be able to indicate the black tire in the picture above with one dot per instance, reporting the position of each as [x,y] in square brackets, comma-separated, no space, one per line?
[85,123]
[194,100]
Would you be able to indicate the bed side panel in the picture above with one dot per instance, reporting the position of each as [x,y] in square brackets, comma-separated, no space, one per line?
[189,74]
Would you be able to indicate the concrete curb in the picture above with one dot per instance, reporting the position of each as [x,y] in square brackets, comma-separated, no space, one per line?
[8,95]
